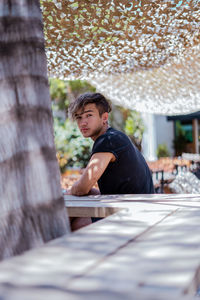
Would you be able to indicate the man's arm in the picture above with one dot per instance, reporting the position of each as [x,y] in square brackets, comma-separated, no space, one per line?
[95,168]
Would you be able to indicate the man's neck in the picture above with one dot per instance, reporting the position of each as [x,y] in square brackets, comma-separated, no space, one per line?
[104,129]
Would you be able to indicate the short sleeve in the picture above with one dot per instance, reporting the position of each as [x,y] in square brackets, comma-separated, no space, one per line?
[105,143]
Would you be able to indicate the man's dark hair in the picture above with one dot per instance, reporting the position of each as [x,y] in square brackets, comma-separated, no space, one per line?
[89,98]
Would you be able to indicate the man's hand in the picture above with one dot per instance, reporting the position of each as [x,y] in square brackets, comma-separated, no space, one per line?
[95,168]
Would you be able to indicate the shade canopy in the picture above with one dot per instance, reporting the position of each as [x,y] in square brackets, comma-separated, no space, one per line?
[188,117]
[142,54]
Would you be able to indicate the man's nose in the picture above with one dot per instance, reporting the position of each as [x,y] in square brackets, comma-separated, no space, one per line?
[83,121]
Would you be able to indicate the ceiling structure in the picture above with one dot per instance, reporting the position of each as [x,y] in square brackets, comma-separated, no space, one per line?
[142,54]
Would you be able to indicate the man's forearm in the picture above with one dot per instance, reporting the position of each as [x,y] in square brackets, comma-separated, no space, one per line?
[93,171]
[78,189]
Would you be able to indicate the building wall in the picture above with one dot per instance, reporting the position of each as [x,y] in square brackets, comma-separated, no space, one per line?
[157,131]
[164,132]
[149,137]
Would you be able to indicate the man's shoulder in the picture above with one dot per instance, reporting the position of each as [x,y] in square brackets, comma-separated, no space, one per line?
[112,138]
[118,135]
[112,134]
[115,133]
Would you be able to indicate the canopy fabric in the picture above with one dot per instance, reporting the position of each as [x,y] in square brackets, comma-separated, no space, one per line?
[188,117]
[141,54]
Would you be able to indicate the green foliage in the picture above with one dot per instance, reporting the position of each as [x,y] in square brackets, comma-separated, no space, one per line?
[73,150]
[77,87]
[129,122]
[134,127]
[58,93]
[81,85]
[162,151]
[118,116]
[63,92]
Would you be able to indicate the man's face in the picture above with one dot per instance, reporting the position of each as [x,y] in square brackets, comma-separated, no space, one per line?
[90,123]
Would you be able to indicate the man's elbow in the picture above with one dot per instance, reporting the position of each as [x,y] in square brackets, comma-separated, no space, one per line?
[80,191]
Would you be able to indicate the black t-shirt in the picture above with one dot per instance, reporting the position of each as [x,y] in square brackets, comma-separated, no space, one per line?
[129,173]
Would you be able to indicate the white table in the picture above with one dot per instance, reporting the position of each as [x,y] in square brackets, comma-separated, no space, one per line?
[147,248]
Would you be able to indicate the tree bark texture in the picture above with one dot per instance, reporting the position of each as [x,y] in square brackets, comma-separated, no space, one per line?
[32,206]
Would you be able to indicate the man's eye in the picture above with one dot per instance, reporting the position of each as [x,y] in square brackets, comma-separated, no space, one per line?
[89,115]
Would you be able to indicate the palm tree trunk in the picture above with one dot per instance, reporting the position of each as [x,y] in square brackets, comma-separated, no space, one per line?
[32,206]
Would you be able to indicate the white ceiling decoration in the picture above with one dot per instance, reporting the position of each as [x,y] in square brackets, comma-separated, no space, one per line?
[142,54]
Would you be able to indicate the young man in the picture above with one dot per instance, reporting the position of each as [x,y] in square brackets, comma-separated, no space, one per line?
[115,163]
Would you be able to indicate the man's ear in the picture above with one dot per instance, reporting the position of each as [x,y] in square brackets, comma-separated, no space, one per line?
[105,117]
